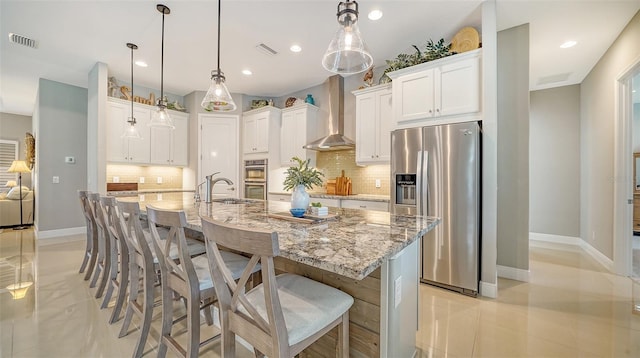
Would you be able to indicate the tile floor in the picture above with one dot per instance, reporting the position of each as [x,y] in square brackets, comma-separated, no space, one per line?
[570,308]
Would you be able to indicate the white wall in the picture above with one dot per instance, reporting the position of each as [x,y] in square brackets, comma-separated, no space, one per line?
[513,148]
[597,111]
[554,164]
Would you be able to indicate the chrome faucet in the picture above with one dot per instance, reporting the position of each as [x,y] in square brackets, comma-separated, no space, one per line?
[209,183]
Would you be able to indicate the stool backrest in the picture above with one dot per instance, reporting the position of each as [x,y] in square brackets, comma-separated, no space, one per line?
[262,245]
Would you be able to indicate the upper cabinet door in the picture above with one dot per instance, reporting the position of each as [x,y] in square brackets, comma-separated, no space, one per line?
[384,110]
[415,96]
[180,141]
[298,128]
[139,149]
[262,133]
[123,150]
[374,113]
[458,87]
[250,131]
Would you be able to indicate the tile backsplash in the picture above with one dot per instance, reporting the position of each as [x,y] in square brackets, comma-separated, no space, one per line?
[171,177]
[363,179]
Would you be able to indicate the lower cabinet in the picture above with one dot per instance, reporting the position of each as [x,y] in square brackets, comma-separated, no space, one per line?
[338,203]
[365,205]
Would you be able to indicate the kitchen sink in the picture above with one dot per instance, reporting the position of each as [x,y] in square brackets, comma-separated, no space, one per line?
[231,201]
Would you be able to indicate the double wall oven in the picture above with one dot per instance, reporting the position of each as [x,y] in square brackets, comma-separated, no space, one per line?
[255,179]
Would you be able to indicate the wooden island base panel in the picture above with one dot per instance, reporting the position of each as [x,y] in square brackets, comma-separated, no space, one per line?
[370,255]
[364,315]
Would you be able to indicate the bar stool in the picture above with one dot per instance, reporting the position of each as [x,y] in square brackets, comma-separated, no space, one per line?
[91,250]
[143,265]
[103,263]
[283,315]
[119,268]
[189,279]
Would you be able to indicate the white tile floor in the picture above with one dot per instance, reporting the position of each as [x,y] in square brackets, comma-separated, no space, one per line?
[570,308]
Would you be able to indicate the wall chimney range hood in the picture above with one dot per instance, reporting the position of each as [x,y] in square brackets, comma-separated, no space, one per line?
[336,139]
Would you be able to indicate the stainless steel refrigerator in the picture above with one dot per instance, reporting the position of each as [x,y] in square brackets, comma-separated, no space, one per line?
[435,171]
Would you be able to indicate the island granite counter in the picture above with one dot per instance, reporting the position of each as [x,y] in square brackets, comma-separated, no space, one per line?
[371,255]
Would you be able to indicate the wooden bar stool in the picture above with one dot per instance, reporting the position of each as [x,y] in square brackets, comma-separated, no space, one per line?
[188,278]
[103,263]
[91,250]
[283,315]
[119,272]
[143,266]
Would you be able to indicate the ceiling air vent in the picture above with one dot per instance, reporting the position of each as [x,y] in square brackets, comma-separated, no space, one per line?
[22,40]
[266,50]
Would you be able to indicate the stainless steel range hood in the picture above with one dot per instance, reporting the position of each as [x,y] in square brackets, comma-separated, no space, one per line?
[336,139]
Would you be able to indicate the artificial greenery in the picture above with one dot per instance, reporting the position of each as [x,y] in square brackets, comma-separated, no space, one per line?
[302,175]
[432,51]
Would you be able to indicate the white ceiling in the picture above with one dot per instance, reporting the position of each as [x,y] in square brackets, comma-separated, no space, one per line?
[73,35]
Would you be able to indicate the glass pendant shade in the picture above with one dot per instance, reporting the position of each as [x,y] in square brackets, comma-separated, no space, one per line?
[218,97]
[347,53]
[160,117]
[131,131]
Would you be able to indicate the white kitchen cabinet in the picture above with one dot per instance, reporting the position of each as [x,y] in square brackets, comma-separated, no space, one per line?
[279,197]
[260,131]
[447,89]
[298,128]
[374,114]
[364,205]
[125,150]
[170,146]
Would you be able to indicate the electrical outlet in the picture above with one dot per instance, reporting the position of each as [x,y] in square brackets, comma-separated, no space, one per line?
[159,197]
[159,180]
[141,197]
[141,180]
[116,179]
[397,291]
[378,183]
[56,180]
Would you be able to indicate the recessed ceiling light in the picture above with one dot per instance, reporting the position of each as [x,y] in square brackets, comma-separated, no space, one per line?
[295,48]
[141,63]
[375,15]
[568,44]
[247,72]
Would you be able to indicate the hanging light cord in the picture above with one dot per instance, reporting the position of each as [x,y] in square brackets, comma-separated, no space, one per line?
[219,7]
[133,120]
[162,63]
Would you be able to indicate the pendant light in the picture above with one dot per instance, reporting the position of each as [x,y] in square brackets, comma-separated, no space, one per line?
[161,117]
[131,131]
[347,52]
[218,97]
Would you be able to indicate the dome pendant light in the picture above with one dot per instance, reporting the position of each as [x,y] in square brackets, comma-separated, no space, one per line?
[161,117]
[347,52]
[131,131]
[218,97]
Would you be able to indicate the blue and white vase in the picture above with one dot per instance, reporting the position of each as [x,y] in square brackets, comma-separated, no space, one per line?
[299,198]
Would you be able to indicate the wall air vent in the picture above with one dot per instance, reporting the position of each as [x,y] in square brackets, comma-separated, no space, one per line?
[266,50]
[561,77]
[22,40]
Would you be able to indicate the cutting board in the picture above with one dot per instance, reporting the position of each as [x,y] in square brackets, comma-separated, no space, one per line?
[343,185]
[331,186]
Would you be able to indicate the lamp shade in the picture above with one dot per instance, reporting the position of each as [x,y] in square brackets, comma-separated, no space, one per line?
[218,97]
[19,166]
[347,52]
[11,184]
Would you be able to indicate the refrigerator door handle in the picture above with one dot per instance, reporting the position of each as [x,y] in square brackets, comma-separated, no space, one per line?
[424,182]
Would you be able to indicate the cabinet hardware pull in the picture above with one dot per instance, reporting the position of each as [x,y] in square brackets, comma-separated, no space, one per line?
[363,206]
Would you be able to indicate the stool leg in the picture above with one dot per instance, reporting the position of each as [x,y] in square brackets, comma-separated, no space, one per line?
[123,280]
[134,284]
[193,327]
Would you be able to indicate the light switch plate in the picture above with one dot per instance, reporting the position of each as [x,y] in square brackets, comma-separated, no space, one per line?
[116,179]
[56,180]
[159,180]
[378,184]
[70,160]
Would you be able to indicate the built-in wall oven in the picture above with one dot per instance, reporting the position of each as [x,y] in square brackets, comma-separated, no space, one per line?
[255,179]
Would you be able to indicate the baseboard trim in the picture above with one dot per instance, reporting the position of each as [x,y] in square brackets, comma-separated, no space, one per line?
[513,273]
[603,260]
[48,234]
[597,255]
[489,290]
[558,239]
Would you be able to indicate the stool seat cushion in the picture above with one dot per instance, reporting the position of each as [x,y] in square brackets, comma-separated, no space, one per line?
[307,305]
[236,264]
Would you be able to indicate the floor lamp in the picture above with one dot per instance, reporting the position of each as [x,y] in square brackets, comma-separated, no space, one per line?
[19,166]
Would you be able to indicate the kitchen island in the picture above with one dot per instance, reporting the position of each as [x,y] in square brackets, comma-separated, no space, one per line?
[373,256]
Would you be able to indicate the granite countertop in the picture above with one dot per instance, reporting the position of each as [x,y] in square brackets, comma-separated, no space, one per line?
[354,245]
[365,197]
[147,191]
